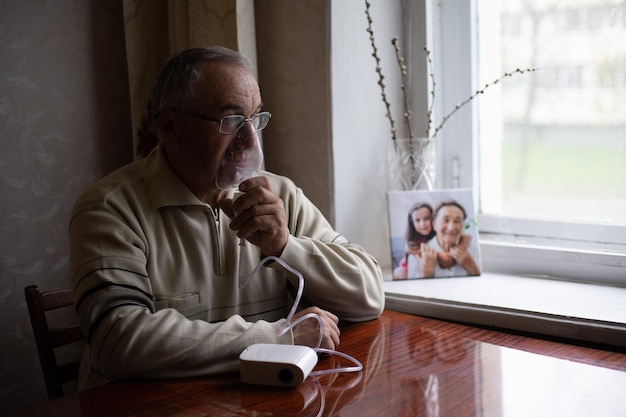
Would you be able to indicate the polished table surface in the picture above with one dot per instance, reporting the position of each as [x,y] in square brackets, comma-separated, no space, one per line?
[413,366]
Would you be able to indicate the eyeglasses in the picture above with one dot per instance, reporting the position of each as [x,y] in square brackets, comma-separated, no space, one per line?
[229,125]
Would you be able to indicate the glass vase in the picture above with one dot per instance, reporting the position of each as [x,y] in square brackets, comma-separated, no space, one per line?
[411,164]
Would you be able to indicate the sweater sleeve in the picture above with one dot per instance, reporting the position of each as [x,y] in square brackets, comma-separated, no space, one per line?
[114,300]
[339,276]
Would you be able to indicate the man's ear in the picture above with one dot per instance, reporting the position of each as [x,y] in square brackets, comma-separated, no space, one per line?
[167,125]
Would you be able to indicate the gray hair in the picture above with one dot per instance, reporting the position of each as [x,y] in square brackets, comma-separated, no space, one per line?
[175,85]
[446,203]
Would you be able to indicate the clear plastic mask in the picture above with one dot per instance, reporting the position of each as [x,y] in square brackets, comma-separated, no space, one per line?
[241,160]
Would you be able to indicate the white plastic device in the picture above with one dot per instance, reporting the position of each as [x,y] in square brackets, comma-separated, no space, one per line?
[286,365]
[276,365]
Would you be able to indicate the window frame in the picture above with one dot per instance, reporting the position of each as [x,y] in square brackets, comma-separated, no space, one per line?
[523,247]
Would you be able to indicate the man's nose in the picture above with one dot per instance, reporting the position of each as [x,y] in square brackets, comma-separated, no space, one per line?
[245,136]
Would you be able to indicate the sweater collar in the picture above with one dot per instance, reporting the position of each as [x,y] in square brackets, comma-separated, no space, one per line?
[164,186]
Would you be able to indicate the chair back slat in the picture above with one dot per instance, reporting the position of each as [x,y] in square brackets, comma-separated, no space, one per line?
[51,300]
[47,339]
[65,335]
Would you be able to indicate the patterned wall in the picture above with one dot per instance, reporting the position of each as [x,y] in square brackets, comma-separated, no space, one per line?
[64,122]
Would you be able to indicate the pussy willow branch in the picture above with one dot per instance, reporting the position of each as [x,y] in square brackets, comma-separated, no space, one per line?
[467,100]
[407,106]
[403,72]
[381,78]
[431,74]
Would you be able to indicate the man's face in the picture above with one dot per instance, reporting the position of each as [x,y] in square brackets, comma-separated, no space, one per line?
[196,147]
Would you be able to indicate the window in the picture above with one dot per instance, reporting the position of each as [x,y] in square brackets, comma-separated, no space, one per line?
[545,151]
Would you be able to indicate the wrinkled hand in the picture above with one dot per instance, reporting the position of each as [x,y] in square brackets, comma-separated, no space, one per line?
[446,260]
[258,216]
[307,331]
[464,258]
[427,260]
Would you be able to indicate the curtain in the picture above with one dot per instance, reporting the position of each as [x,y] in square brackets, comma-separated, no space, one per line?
[156,29]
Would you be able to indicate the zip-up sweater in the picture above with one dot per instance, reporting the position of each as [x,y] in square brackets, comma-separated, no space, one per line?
[156,276]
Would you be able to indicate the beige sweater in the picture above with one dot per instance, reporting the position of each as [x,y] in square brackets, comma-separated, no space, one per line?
[156,276]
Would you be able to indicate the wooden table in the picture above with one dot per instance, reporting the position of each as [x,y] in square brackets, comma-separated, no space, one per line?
[413,366]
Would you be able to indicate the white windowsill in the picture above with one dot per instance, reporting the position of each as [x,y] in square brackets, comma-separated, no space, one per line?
[586,312]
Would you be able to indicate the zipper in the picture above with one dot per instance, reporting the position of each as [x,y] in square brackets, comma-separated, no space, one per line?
[218,252]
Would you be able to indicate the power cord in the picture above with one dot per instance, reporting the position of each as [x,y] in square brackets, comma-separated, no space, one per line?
[290,323]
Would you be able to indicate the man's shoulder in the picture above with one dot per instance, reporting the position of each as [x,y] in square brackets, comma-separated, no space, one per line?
[121,181]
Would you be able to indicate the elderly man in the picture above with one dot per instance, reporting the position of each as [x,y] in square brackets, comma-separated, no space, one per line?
[159,248]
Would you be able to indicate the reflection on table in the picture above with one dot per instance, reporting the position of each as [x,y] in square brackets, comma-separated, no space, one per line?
[413,366]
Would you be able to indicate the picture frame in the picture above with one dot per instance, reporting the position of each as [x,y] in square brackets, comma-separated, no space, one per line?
[433,234]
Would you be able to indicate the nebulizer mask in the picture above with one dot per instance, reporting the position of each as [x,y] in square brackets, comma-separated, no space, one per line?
[241,160]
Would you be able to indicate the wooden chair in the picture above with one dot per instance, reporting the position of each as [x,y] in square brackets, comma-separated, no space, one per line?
[48,339]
